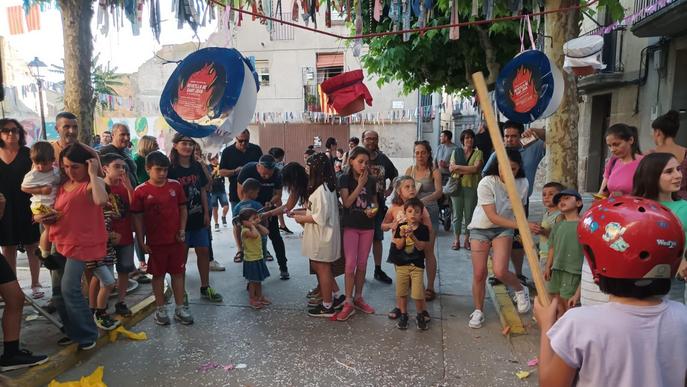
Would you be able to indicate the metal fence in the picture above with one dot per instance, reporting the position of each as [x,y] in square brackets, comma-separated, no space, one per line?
[281,31]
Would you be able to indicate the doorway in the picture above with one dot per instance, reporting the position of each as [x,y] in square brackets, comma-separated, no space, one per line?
[601,115]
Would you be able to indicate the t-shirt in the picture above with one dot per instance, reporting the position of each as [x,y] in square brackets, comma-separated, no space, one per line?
[624,345]
[193,179]
[35,179]
[532,154]
[217,180]
[233,158]
[547,222]
[567,250]
[131,167]
[252,247]
[679,208]
[404,257]
[381,168]
[620,175]
[354,217]
[160,209]
[246,203]
[491,190]
[444,152]
[267,186]
[122,224]
[322,239]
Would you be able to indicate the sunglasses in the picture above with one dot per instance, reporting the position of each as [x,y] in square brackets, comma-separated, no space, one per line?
[9,130]
[241,141]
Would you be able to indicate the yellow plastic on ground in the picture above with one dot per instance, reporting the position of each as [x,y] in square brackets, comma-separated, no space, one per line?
[123,331]
[93,380]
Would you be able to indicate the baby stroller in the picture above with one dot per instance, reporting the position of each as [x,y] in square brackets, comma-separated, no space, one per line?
[445,212]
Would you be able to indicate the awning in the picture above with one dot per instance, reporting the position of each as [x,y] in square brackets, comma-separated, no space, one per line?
[330,60]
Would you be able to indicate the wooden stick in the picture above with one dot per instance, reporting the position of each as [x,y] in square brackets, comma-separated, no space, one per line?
[509,180]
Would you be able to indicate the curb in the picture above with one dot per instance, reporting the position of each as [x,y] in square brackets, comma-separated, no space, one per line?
[68,357]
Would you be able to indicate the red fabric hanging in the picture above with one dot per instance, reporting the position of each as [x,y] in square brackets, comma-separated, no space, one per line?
[15,18]
[33,18]
[346,92]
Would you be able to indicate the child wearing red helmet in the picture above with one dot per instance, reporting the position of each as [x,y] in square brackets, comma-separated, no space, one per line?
[633,246]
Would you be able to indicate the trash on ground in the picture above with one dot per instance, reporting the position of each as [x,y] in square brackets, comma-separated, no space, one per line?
[93,380]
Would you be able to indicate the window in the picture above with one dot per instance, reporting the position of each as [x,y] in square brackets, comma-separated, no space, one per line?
[329,65]
[262,67]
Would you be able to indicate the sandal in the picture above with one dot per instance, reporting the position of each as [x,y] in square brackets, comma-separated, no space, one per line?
[394,314]
[36,292]
[256,304]
[466,244]
[238,258]
[265,301]
[430,295]
[455,245]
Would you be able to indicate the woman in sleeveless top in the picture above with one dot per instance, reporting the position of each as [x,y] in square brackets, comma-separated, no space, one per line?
[466,167]
[78,234]
[665,130]
[428,185]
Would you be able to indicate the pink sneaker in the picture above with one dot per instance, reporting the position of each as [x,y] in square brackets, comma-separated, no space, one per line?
[346,312]
[362,306]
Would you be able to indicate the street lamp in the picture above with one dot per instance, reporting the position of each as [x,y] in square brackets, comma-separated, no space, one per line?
[35,70]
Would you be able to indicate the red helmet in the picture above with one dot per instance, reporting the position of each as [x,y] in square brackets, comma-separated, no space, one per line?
[628,237]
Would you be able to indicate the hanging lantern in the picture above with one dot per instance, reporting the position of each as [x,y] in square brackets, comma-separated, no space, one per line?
[583,55]
[529,87]
[347,93]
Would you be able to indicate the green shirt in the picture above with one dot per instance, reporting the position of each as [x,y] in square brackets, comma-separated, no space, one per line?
[547,223]
[469,180]
[567,251]
[140,169]
[679,208]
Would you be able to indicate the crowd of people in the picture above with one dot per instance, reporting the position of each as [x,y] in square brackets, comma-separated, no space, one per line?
[100,207]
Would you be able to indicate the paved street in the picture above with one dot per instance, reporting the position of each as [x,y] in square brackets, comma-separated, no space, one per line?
[281,345]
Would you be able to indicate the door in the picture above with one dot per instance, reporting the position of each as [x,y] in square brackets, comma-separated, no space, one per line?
[601,115]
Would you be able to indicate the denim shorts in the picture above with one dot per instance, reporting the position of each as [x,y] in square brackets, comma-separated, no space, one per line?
[220,197]
[379,218]
[125,259]
[198,238]
[489,234]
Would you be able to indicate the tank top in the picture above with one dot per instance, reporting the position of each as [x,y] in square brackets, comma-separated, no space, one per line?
[424,186]
[80,231]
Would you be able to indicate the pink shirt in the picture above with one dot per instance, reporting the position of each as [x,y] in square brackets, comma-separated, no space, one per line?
[80,231]
[620,174]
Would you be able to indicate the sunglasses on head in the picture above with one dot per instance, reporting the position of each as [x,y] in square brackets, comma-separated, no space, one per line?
[10,130]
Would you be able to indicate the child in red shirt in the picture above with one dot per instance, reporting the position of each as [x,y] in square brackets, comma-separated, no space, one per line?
[159,208]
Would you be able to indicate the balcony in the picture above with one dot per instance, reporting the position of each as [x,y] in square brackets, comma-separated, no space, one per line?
[612,76]
[662,18]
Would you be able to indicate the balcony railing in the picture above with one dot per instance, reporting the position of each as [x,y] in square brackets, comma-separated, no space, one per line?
[644,12]
[613,49]
[281,31]
[311,99]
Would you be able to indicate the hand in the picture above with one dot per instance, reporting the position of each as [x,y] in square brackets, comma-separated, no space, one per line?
[530,133]
[237,171]
[371,212]
[115,238]
[547,274]
[388,192]
[682,269]
[93,167]
[146,249]
[181,236]
[574,300]
[46,190]
[47,218]
[535,228]
[443,164]
[362,180]
[300,219]
[546,316]
[206,220]
[127,182]
[3,202]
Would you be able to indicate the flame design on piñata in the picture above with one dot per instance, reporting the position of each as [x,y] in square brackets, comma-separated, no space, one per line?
[523,92]
[194,95]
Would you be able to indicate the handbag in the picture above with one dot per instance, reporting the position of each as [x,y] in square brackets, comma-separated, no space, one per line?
[452,186]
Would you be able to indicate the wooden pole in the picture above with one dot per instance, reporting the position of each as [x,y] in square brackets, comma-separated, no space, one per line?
[509,180]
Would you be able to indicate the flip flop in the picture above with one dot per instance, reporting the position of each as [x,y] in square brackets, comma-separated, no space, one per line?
[394,314]
[430,295]
[37,293]
[238,258]
[455,245]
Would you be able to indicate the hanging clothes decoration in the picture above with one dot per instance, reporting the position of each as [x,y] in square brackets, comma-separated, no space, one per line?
[358,44]
[395,14]
[212,91]
[313,10]
[378,10]
[454,32]
[294,11]
[155,18]
[347,93]
[488,9]
[328,15]
[406,19]
[261,12]
[474,13]
[348,10]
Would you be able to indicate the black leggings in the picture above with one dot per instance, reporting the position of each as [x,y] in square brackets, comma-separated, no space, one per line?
[277,242]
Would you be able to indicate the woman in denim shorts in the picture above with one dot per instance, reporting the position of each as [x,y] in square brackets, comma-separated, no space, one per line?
[492,226]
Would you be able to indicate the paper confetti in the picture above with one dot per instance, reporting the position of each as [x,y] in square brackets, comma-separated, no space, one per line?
[522,374]
[124,332]
[533,363]
[93,380]
[208,366]
[240,366]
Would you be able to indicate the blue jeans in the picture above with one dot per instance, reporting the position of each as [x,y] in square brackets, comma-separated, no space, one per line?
[71,304]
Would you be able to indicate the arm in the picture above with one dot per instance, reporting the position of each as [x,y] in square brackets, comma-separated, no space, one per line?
[389,223]
[400,243]
[276,198]
[469,169]
[262,230]
[348,198]
[97,185]
[204,204]
[140,234]
[251,233]
[419,245]
[549,264]
[539,133]
[604,184]
[39,190]
[3,202]
[229,172]
[183,216]
[490,211]
[553,371]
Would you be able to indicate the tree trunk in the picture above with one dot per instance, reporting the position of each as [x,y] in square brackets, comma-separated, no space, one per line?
[78,52]
[561,131]
[493,66]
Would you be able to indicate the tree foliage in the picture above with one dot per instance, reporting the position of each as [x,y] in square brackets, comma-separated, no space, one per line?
[433,62]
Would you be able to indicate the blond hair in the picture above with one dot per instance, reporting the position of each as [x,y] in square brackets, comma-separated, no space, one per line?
[146,144]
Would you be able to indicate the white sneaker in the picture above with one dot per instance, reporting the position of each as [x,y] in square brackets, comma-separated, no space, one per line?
[522,299]
[215,266]
[476,319]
